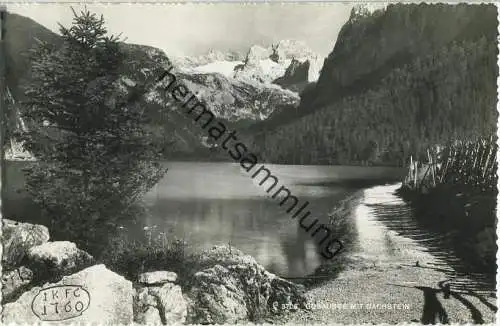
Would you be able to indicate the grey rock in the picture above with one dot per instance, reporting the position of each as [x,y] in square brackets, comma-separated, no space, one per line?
[149,317]
[144,299]
[233,288]
[18,238]
[158,277]
[58,257]
[218,298]
[167,300]
[172,305]
[109,299]
[15,282]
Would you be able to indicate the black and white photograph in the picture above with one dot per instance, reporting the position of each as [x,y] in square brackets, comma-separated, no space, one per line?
[287,163]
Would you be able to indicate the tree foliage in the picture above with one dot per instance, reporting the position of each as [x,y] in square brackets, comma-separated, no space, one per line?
[96,155]
[449,94]
[398,81]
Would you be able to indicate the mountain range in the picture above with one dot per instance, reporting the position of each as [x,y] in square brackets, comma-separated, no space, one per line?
[398,80]
[240,97]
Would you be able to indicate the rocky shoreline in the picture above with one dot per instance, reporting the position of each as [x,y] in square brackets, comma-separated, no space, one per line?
[46,280]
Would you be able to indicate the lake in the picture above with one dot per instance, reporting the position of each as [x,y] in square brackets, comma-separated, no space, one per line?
[219,203]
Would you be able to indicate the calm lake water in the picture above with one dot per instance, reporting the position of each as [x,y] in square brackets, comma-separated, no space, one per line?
[219,203]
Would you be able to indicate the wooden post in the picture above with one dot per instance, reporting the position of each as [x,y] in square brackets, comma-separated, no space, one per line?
[412,172]
[486,165]
[416,172]
[432,173]
[429,159]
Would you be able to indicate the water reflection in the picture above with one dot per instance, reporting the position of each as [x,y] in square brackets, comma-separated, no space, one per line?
[218,203]
[257,227]
[299,251]
[211,204]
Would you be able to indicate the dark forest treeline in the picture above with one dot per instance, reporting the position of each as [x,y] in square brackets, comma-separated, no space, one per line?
[450,94]
[447,93]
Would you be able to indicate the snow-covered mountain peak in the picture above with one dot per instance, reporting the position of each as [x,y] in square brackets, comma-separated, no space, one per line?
[261,64]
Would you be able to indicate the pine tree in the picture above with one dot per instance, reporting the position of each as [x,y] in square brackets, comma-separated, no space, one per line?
[96,156]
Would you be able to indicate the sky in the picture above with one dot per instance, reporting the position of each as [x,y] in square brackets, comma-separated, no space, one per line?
[193,29]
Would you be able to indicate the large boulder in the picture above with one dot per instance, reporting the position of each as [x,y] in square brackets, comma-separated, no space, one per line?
[219,297]
[236,288]
[172,306]
[58,258]
[15,282]
[93,295]
[18,238]
[150,316]
[163,303]
[146,308]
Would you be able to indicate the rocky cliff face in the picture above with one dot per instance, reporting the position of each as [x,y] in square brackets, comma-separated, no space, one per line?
[229,99]
[235,100]
[298,51]
[371,45]
[265,65]
[295,77]
[398,81]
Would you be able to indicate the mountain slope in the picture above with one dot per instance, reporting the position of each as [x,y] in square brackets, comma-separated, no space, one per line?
[371,45]
[398,81]
[296,76]
[232,100]
[20,37]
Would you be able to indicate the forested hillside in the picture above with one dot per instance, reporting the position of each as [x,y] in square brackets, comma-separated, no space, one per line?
[236,102]
[22,34]
[398,81]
